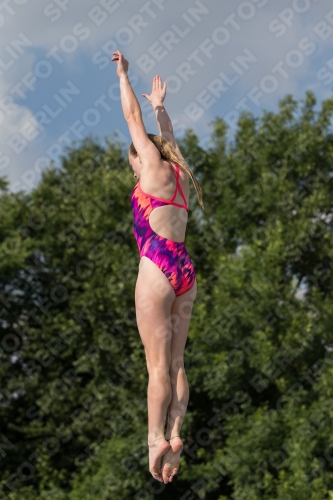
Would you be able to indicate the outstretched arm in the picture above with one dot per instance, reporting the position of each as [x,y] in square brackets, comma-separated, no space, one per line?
[146,150]
[164,124]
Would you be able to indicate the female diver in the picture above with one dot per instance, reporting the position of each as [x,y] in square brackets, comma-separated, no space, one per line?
[166,285]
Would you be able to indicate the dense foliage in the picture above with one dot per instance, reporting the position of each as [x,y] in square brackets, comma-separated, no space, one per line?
[259,354]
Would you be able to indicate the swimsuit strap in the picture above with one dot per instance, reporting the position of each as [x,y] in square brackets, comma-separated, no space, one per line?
[178,185]
[171,200]
[181,191]
[176,174]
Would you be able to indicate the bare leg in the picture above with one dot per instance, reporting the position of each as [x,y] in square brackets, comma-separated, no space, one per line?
[181,316]
[153,299]
[178,406]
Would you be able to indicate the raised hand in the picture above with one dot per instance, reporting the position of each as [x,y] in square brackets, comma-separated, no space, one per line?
[158,92]
[122,63]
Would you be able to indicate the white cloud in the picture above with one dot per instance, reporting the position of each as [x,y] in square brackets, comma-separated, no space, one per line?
[76,37]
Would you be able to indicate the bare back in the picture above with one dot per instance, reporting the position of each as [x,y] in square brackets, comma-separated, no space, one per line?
[168,221]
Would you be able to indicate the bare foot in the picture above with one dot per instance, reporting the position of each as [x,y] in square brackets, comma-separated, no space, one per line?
[170,462]
[156,452]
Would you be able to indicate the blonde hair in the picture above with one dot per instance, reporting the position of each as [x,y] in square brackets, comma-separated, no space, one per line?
[169,153]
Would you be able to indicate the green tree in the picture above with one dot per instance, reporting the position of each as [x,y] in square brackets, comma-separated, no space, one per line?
[259,354]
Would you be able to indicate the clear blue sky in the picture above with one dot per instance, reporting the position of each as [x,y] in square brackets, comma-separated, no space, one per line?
[57,82]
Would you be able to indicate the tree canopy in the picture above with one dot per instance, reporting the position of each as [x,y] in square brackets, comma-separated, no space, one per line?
[259,354]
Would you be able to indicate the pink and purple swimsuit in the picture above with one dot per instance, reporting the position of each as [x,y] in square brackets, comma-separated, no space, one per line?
[169,256]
